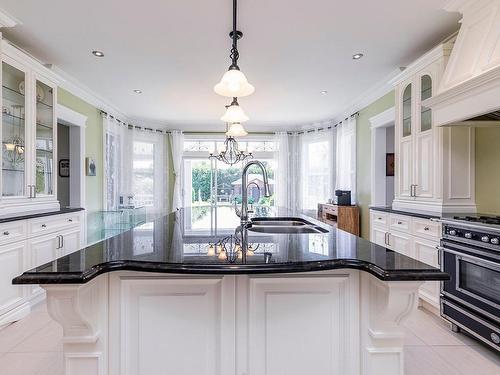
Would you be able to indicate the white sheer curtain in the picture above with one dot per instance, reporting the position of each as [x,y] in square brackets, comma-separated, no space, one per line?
[346,157]
[135,166]
[177,149]
[282,173]
[313,170]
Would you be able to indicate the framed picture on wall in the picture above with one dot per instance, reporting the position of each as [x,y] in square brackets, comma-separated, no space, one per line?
[90,167]
[64,168]
[389,164]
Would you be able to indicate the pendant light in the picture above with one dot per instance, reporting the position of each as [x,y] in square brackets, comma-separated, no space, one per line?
[234,83]
[234,113]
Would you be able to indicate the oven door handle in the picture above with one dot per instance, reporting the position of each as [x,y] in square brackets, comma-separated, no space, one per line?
[493,265]
[469,249]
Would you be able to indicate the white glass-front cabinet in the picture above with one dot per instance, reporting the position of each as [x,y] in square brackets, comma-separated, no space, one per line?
[416,146]
[28,134]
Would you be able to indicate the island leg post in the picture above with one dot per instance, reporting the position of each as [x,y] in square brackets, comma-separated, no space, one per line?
[384,306]
[82,311]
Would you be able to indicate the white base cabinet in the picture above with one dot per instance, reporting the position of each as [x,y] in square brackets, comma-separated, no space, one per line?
[339,322]
[25,244]
[414,237]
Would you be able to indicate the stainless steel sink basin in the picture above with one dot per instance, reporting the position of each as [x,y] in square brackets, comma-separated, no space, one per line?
[284,225]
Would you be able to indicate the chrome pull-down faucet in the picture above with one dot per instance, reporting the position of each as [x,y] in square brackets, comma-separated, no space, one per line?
[244,194]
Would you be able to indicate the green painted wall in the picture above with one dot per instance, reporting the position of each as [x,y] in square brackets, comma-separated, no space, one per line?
[487,171]
[363,157]
[93,146]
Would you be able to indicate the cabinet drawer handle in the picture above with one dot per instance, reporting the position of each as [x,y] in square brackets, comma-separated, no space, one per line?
[426,228]
[379,218]
[6,233]
[70,220]
[44,225]
[400,222]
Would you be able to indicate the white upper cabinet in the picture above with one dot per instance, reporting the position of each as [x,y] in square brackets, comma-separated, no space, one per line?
[424,152]
[28,134]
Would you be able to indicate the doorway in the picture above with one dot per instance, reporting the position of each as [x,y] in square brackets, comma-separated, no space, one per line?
[70,157]
[382,160]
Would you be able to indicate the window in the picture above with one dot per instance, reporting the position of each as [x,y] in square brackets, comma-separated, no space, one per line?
[143,173]
[317,172]
[211,188]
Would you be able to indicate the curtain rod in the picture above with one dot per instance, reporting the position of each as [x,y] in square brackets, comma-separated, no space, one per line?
[325,128]
[130,126]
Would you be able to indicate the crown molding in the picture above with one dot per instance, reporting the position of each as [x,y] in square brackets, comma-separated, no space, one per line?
[6,20]
[72,85]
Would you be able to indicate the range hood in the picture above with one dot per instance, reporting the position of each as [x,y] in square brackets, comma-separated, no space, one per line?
[469,93]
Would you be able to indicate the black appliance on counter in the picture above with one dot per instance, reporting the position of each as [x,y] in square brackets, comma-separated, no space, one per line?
[343,197]
[470,254]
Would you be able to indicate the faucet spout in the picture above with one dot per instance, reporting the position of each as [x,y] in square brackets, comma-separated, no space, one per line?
[244,193]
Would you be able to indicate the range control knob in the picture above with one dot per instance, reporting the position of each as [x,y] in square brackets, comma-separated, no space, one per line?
[485,239]
[452,232]
[495,338]
[468,235]
[495,240]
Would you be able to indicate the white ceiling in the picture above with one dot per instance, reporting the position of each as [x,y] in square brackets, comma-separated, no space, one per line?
[175,51]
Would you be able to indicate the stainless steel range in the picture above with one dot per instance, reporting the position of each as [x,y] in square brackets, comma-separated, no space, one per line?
[470,254]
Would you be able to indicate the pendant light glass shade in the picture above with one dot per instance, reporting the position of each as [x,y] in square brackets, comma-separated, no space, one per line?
[236,130]
[234,113]
[234,84]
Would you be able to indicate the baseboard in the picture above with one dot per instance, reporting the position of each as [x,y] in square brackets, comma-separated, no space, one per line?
[431,307]
[22,310]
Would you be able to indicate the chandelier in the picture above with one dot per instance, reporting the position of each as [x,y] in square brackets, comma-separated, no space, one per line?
[231,154]
[234,83]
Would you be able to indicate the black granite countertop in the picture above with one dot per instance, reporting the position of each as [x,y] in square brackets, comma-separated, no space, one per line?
[35,214]
[415,213]
[178,243]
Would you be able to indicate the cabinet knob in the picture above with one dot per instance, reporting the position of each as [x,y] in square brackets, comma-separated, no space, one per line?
[70,220]
[400,222]
[426,228]
[6,233]
[379,218]
[44,225]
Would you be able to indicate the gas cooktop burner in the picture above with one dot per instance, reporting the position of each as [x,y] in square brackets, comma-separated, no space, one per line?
[481,219]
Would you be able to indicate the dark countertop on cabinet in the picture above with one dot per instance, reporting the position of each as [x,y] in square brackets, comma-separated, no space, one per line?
[415,213]
[178,243]
[35,214]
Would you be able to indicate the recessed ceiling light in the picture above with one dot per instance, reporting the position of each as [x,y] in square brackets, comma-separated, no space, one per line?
[357,56]
[98,53]
[138,91]
[324,92]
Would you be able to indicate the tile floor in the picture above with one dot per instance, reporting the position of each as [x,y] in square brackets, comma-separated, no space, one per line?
[33,346]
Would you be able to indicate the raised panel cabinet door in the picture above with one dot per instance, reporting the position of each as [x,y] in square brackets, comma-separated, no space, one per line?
[405,168]
[400,242]
[70,241]
[378,236]
[424,183]
[170,326]
[12,259]
[301,325]
[43,250]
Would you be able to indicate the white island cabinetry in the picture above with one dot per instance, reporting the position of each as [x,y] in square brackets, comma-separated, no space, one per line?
[335,322]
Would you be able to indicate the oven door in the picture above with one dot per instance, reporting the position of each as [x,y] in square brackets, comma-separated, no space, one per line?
[475,277]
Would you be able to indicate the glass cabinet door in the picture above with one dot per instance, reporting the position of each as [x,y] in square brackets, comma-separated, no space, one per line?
[13,132]
[44,139]
[425,113]
[407,111]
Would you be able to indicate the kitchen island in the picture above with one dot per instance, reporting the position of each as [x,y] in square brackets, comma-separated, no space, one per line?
[219,301]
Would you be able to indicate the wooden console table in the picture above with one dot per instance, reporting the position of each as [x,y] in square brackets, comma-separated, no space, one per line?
[342,217]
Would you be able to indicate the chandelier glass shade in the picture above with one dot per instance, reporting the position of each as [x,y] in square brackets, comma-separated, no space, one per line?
[231,154]
[234,84]
[234,113]
[236,130]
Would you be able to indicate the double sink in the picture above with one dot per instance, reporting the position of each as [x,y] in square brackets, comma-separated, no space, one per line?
[283,225]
